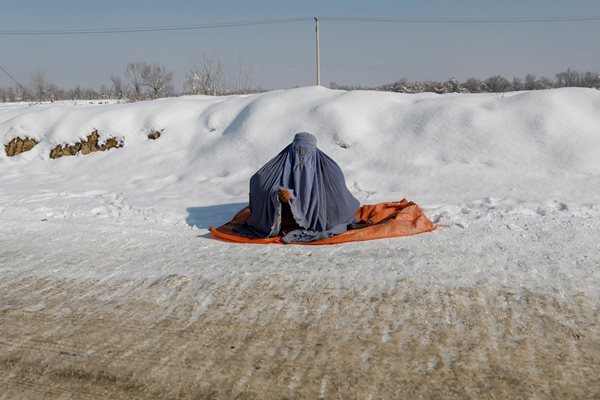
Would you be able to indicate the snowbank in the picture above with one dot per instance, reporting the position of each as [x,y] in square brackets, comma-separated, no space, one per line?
[435,149]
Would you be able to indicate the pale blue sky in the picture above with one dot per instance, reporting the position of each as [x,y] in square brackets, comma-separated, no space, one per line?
[282,55]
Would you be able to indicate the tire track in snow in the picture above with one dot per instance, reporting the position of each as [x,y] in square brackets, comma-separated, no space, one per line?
[506,344]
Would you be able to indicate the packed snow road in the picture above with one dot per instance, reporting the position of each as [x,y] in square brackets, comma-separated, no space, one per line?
[102,309]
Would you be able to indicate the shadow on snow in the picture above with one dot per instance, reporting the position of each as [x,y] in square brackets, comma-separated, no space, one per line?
[217,215]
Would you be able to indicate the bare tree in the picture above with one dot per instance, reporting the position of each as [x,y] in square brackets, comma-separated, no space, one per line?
[568,78]
[77,93]
[11,94]
[473,85]
[191,82]
[531,82]
[241,82]
[497,84]
[42,89]
[545,83]
[38,84]
[206,78]
[117,86]
[452,86]
[104,92]
[517,83]
[133,73]
[157,79]
[24,94]
[591,80]
[54,92]
[90,94]
[401,86]
[572,78]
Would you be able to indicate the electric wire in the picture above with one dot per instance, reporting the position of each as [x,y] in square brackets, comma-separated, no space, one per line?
[15,81]
[463,20]
[157,28]
[460,20]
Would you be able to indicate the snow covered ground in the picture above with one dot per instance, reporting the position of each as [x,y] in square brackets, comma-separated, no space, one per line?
[111,286]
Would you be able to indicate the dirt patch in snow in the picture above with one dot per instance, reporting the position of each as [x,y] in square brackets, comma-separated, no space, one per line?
[176,338]
[155,134]
[19,145]
[89,145]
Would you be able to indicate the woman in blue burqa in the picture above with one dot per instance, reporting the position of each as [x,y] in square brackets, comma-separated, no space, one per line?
[300,194]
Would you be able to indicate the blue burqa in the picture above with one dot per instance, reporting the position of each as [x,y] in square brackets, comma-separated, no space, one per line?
[321,204]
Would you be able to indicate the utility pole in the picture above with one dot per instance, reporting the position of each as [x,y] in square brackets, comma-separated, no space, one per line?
[318,52]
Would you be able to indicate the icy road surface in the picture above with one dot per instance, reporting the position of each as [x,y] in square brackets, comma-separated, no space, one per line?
[102,309]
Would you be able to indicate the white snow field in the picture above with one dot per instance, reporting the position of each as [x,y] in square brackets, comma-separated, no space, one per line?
[111,286]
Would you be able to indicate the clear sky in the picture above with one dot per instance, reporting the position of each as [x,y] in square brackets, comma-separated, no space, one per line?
[283,55]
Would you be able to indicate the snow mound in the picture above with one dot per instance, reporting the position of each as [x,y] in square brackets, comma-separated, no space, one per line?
[535,147]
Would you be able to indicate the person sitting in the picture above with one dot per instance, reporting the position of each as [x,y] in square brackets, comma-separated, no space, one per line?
[300,194]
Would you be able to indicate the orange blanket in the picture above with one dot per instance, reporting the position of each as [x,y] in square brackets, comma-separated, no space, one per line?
[384,220]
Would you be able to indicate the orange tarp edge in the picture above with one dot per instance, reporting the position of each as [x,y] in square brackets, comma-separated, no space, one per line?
[385,220]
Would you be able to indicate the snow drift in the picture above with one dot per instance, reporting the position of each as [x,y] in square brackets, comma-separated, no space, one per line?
[437,149]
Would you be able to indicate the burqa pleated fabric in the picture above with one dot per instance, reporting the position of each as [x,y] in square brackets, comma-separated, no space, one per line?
[321,204]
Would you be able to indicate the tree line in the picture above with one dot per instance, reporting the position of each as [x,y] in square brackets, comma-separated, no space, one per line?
[493,84]
[142,81]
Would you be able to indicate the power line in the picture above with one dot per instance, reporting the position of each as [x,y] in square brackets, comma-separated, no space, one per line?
[15,81]
[157,28]
[233,24]
[463,20]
